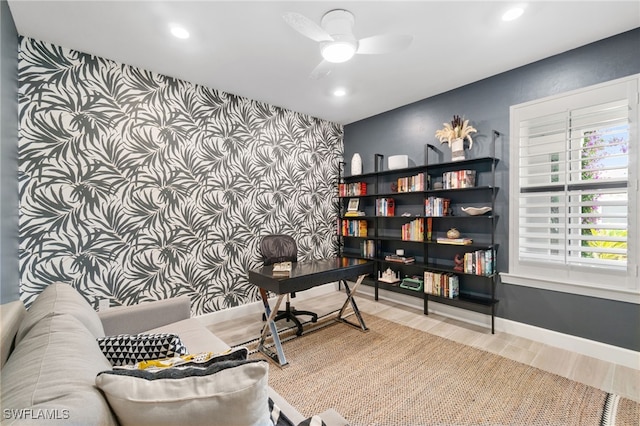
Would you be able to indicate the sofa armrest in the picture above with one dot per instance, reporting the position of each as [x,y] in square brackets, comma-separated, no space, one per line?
[332,418]
[136,319]
[11,314]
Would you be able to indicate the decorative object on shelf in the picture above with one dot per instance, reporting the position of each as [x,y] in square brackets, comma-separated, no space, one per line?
[437,185]
[458,262]
[389,276]
[394,187]
[398,162]
[454,134]
[414,283]
[453,233]
[356,164]
[352,209]
[400,252]
[476,211]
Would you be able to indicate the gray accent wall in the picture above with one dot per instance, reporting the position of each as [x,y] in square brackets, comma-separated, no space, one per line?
[486,103]
[9,282]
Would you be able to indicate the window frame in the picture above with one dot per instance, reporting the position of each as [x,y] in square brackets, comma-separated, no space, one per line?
[594,282]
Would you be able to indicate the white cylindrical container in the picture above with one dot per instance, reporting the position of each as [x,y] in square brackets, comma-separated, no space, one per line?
[356,164]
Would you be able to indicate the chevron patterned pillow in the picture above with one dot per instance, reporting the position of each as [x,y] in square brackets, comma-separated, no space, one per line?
[125,349]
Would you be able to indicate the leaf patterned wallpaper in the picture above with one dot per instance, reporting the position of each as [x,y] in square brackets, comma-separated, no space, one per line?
[135,186]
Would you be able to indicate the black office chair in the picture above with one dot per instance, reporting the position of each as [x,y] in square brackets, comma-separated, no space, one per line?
[283,248]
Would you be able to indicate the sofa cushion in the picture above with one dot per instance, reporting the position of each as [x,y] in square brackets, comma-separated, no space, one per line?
[60,298]
[195,336]
[217,394]
[126,349]
[52,370]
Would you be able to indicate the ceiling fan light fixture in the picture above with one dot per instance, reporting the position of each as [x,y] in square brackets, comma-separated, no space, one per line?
[338,51]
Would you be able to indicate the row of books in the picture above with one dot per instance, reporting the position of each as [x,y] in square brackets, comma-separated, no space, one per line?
[368,249]
[441,284]
[412,183]
[437,206]
[479,262]
[354,228]
[414,230]
[352,189]
[385,207]
[459,179]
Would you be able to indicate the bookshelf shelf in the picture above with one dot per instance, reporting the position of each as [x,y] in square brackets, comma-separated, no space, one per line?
[475,281]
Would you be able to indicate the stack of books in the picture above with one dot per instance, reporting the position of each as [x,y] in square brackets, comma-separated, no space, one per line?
[282,269]
[456,241]
[399,259]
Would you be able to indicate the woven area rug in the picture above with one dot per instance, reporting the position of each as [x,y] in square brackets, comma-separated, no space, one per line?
[394,375]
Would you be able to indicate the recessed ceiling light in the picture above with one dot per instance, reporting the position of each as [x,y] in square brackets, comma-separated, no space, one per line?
[513,13]
[339,92]
[179,32]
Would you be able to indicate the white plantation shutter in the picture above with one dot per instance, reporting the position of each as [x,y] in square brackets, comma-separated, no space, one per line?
[574,168]
[573,186]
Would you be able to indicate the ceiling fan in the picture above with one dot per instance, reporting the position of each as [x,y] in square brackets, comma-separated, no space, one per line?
[337,42]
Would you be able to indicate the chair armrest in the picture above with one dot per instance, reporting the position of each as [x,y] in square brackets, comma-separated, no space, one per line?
[145,316]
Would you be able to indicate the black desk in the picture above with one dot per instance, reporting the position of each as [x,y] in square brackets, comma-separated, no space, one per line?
[303,276]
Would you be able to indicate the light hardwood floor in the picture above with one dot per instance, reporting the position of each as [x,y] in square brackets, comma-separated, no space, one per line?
[607,376]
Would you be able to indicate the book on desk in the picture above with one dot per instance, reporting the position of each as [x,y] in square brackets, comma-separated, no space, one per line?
[281,269]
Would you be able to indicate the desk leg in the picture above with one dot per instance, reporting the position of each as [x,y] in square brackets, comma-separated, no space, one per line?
[271,325]
[351,300]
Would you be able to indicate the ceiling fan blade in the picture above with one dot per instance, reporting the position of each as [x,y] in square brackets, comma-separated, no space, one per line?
[306,27]
[385,43]
[323,69]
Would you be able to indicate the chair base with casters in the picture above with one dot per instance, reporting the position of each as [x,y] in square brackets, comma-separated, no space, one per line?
[289,313]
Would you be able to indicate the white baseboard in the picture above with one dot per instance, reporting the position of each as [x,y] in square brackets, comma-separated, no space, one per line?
[591,348]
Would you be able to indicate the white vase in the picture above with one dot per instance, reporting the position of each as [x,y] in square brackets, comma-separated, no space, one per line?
[356,164]
[457,149]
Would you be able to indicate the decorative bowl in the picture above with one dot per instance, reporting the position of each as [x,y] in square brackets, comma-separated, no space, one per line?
[453,233]
[475,211]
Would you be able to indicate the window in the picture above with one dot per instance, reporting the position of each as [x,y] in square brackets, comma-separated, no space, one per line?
[574,192]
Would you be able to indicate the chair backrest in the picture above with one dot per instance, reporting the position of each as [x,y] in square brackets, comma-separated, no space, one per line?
[278,248]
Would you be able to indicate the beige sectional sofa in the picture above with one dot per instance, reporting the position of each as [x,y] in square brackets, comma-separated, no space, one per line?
[51,358]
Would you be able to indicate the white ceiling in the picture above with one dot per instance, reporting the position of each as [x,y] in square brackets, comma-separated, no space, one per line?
[246,48]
